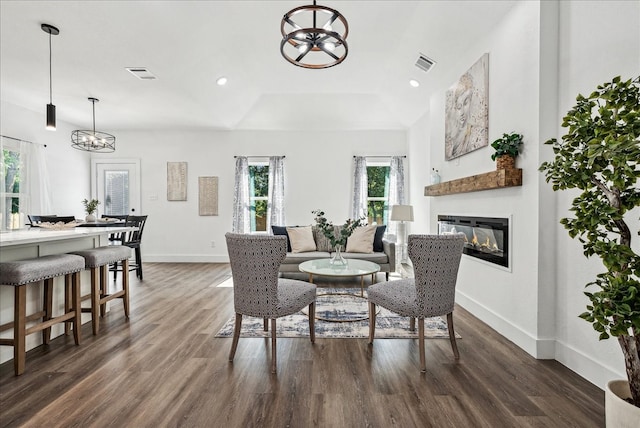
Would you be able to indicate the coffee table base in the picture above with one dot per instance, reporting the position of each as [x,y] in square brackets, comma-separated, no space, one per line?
[341,307]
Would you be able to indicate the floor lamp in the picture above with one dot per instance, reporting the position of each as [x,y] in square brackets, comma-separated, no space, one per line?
[402,213]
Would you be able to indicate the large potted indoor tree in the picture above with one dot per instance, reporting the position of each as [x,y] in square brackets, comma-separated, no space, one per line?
[600,156]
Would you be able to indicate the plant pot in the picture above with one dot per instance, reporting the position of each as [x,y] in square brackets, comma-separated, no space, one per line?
[90,218]
[506,162]
[619,413]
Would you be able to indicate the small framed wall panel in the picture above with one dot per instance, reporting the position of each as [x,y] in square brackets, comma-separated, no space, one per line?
[208,195]
[176,181]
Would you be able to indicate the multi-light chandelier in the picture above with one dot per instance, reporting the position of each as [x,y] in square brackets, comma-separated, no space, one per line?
[314,36]
[92,140]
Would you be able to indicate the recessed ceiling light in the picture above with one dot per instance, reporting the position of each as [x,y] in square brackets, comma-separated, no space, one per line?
[414,83]
[221,81]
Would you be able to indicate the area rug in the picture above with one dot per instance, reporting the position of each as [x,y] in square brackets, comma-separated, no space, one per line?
[339,305]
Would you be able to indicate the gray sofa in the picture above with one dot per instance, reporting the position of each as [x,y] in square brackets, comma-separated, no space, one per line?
[385,256]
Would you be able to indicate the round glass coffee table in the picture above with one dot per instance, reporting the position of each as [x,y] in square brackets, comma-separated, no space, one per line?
[352,268]
[351,307]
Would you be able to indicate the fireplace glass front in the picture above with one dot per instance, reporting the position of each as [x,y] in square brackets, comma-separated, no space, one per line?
[486,238]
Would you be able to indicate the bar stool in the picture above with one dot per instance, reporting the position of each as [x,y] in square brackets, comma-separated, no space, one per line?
[98,261]
[22,273]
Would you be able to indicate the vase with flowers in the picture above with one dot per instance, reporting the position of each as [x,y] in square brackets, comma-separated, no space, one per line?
[337,240]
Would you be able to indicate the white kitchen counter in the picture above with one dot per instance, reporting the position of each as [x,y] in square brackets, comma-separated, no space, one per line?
[37,235]
[37,242]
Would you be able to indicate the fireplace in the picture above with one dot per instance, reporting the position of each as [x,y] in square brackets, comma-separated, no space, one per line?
[486,238]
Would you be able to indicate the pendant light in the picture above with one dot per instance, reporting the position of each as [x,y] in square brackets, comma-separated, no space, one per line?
[314,36]
[51,109]
[92,140]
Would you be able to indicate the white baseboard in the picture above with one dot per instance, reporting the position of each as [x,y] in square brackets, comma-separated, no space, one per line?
[543,349]
[593,371]
[503,326]
[181,258]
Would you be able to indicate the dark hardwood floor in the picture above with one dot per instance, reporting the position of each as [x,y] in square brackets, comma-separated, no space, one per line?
[165,368]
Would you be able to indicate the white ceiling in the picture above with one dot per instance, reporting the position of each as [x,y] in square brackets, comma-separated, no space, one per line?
[189,44]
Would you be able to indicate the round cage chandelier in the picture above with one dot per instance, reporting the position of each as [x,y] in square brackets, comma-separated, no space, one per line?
[314,36]
[92,140]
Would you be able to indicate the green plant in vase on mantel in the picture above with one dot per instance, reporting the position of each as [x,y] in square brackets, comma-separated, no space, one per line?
[90,207]
[328,230]
[600,156]
[507,149]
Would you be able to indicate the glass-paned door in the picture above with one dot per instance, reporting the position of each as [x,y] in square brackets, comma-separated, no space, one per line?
[116,184]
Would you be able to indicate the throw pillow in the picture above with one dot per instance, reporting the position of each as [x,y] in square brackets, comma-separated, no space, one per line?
[322,242]
[377,240]
[301,239]
[361,240]
[282,230]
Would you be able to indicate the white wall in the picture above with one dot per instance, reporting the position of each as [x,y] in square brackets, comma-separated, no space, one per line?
[68,168]
[318,168]
[506,300]
[598,40]
[541,56]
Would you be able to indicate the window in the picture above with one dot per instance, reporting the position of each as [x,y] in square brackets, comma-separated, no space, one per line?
[258,195]
[378,193]
[13,194]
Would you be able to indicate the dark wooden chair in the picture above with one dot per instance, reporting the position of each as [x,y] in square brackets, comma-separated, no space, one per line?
[132,239]
[64,218]
[114,238]
[35,220]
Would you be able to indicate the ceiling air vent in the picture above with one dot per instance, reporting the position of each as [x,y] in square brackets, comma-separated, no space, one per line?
[141,73]
[425,63]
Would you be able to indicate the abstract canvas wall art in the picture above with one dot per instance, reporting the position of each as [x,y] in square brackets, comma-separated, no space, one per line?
[176,181]
[208,195]
[467,111]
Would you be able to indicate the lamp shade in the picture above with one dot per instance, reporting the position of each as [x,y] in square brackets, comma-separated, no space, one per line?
[401,213]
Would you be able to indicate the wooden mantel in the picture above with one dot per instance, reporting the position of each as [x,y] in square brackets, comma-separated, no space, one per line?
[489,180]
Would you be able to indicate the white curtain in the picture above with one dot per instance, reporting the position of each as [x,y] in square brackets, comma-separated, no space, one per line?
[360,188]
[241,202]
[275,206]
[39,187]
[25,166]
[396,188]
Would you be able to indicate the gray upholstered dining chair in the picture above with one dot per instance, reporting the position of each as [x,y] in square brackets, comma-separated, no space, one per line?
[257,289]
[430,293]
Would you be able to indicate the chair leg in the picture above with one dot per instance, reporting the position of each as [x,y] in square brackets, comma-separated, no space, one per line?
[125,287]
[75,296]
[48,309]
[95,299]
[19,329]
[423,364]
[386,276]
[115,271]
[372,321]
[236,336]
[312,322]
[412,324]
[104,288]
[273,345]
[67,303]
[138,263]
[452,335]
[265,322]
